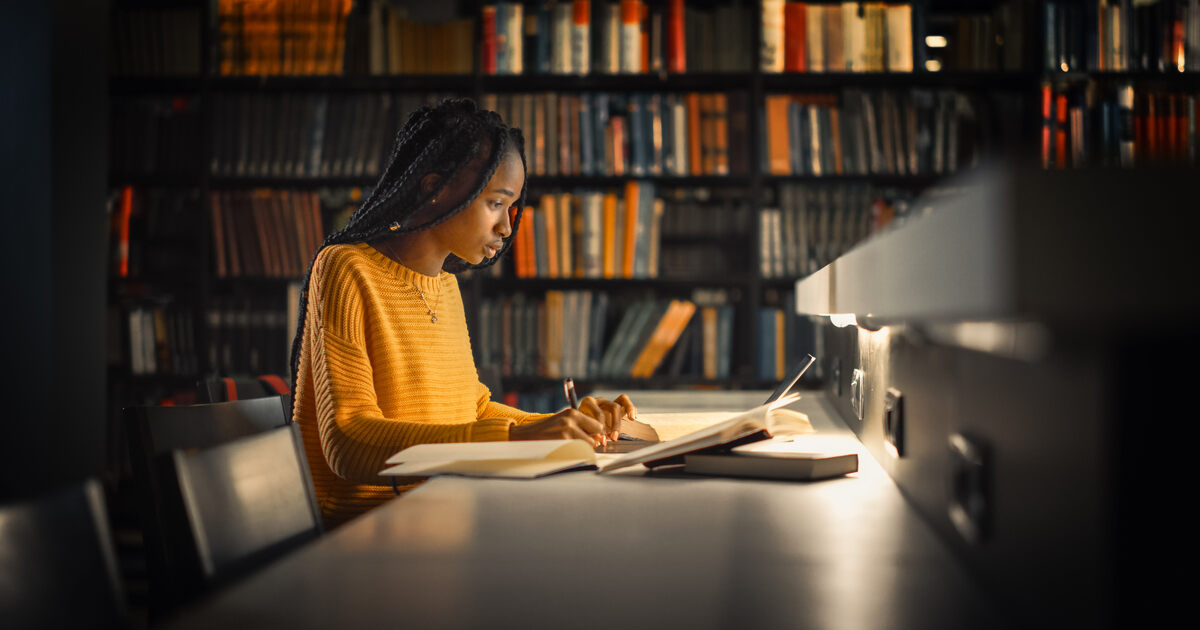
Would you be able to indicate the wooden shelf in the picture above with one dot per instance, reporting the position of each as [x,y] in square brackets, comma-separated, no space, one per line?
[543,284]
[808,81]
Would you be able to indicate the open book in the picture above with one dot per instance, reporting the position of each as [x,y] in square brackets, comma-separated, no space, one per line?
[756,424]
[521,459]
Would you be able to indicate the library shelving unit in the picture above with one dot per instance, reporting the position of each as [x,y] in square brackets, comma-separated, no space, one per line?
[182,123]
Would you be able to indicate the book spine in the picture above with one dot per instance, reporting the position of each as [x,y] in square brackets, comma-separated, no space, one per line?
[581,20]
[676,41]
[631,37]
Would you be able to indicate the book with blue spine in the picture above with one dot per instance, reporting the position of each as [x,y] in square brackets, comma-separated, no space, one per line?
[586,136]
[637,134]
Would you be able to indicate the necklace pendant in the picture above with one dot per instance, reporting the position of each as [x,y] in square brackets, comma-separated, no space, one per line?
[433,318]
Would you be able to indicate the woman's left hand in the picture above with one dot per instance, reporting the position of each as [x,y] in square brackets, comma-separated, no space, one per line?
[609,412]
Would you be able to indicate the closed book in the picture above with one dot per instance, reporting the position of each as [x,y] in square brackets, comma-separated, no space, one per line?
[805,458]
[630,42]
[814,37]
[676,44]
[899,38]
[519,459]
[773,31]
[581,41]
[779,151]
[794,30]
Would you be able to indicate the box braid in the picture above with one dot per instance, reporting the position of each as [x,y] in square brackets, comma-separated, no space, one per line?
[455,139]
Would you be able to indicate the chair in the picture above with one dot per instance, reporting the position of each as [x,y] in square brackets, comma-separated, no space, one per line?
[152,434]
[226,388]
[59,567]
[247,502]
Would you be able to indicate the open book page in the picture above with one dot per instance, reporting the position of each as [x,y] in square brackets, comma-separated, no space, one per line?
[678,424]
[739,425]
[522,459]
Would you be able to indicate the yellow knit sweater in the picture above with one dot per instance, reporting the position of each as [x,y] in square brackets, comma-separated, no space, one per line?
[376,375]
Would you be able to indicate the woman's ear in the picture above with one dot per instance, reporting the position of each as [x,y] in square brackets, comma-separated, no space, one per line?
[429,183]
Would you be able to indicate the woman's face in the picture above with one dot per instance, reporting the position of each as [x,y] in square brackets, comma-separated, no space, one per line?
[476,232]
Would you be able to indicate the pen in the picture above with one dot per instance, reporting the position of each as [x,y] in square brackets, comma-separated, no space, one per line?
[569,390]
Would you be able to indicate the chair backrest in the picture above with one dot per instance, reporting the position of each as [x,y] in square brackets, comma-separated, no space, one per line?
[57,564]
[226,388]
[247,501]
[153,433]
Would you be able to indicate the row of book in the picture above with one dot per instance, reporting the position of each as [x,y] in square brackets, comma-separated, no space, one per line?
[155,135]
[988,41]
[155,41]
[838,37]
[638,134]
[307,134]
[591,235]
[1093,125]
[1122,35]
[159,338]
[281,37]
[153,232]
[265,233]
[888,132]
[582,37]
[250,335]
[783,338]
[382,39]
[811,225]
[591,335]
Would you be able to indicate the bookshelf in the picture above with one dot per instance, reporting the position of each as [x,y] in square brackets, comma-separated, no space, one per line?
[793,219]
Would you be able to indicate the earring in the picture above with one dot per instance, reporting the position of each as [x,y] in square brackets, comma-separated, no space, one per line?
[394,226]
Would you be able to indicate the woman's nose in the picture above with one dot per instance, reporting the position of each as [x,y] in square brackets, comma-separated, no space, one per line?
[506,223]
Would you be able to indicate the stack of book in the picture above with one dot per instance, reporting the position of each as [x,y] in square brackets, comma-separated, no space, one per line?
[249,335]
[638,134]
[265,233]
[281,37]
[567,333]
[161,339]
[783,338]
[814,224]
[155,42]
[1118,125]
[886,132]
[837,37]
[591,235]
[381,39]
[309,134]
[991,40]
[1113,35]
[584,37]
[152,233]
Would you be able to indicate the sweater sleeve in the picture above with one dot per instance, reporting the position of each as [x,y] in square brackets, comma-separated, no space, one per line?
[355,436]
[489,408]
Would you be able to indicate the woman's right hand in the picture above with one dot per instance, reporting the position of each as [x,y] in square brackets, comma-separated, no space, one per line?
[567,424]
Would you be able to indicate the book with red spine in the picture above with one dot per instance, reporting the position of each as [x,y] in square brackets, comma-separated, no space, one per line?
[676,40]
[794,16]
[487,47]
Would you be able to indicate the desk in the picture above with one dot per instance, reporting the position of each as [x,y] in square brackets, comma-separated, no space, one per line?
[625,550]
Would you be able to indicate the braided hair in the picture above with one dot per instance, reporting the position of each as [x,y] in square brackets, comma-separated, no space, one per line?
[455,140]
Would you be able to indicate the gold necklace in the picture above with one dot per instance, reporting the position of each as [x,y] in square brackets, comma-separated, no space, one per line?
[430,310]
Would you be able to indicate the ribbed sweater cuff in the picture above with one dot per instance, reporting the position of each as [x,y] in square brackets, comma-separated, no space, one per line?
[490,430]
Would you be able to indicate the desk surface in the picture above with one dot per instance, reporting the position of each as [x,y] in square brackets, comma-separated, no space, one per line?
[627,550]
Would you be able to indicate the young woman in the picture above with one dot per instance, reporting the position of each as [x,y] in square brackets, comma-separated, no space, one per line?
[381,358]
